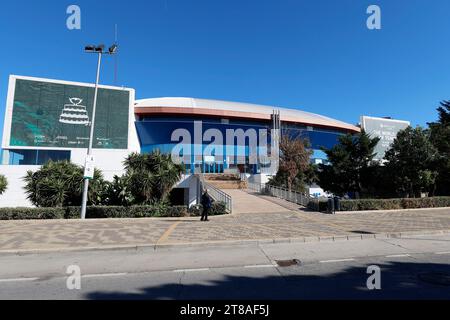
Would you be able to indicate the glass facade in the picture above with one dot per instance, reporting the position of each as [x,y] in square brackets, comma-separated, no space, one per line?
[155,133]
[36,157]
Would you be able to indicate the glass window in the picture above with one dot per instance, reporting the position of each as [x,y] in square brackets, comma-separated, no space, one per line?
[36,157]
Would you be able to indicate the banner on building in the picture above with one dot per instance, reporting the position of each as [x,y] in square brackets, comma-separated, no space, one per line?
[59,115]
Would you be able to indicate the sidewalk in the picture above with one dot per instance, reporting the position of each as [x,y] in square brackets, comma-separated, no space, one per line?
[244,202]
[290,226]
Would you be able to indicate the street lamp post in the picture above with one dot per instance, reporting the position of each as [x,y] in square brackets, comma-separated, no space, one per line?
[100,51]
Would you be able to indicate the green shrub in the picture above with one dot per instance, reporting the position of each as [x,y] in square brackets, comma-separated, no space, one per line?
[151,177]
[60,184]
[370,204]
[71,213]
[177,211]
[435,202]
[117,192]
[217,209]
[103,212]
[31,213]
[3,184]
[385,204]
[349,205]
[113,212]
[195,210]
[442,202]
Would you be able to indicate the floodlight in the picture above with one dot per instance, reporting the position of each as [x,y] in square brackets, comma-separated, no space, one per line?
[89,48]
[100,48]
[112,49]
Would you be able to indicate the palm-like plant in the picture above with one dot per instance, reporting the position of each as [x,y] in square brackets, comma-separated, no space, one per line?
[166,173]
[117,192]
[136,162]
[151,177]
[59,184]
[3,184]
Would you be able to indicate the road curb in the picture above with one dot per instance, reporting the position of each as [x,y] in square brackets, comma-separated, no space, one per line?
[393,211]
[250,242]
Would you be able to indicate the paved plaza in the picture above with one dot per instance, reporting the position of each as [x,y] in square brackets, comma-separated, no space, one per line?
[284,222]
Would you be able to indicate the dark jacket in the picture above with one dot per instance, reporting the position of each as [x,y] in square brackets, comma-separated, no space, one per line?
[206,201]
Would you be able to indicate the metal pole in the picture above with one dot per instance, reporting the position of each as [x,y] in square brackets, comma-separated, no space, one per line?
[91,138]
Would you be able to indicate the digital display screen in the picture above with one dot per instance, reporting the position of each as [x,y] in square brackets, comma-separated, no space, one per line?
[48,114]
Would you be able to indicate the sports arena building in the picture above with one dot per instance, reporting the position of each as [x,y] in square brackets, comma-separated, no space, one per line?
[49,120]
[157,119]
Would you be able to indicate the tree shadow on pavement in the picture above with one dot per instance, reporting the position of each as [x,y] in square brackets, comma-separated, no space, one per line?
[399,281]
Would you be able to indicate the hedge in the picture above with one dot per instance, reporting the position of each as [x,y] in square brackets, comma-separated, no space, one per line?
[101,212]
[32,213]
[217,209]
[385,204]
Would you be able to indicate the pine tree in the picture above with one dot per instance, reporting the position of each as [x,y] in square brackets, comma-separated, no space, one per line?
[440,137]
[349,161]
[411,163]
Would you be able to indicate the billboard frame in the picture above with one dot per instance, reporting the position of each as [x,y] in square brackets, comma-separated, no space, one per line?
[364,126]
[7,126]
[363,118]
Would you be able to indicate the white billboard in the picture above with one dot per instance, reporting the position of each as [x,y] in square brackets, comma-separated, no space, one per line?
[384,128]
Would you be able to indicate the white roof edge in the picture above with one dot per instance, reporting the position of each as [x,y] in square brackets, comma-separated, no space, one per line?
[185,102]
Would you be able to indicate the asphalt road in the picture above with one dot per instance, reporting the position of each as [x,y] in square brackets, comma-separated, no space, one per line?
[415,268]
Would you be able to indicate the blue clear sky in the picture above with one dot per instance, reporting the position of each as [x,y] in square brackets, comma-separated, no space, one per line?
[315,55]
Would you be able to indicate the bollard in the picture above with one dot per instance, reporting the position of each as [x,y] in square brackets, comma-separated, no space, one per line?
[330,207]
[337,204]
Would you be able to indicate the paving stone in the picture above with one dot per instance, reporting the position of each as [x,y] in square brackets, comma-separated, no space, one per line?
[279,226]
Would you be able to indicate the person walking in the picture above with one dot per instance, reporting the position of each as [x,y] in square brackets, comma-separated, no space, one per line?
[206,203]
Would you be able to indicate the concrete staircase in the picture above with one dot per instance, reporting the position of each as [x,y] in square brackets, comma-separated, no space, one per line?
[226,181]
[242,201]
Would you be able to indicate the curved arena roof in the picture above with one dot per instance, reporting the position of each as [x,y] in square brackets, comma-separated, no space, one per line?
[217,108]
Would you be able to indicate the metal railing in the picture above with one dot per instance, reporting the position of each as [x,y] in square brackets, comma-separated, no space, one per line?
[291,196]
[281,193]
[215,193]
[256,187]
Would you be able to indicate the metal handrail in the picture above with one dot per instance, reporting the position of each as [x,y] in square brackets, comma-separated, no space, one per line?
[288,195]
[215,193]
[256,187]
[281,193]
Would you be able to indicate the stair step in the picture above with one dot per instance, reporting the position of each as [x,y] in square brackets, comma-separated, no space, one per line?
[220,184]
[222,177]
